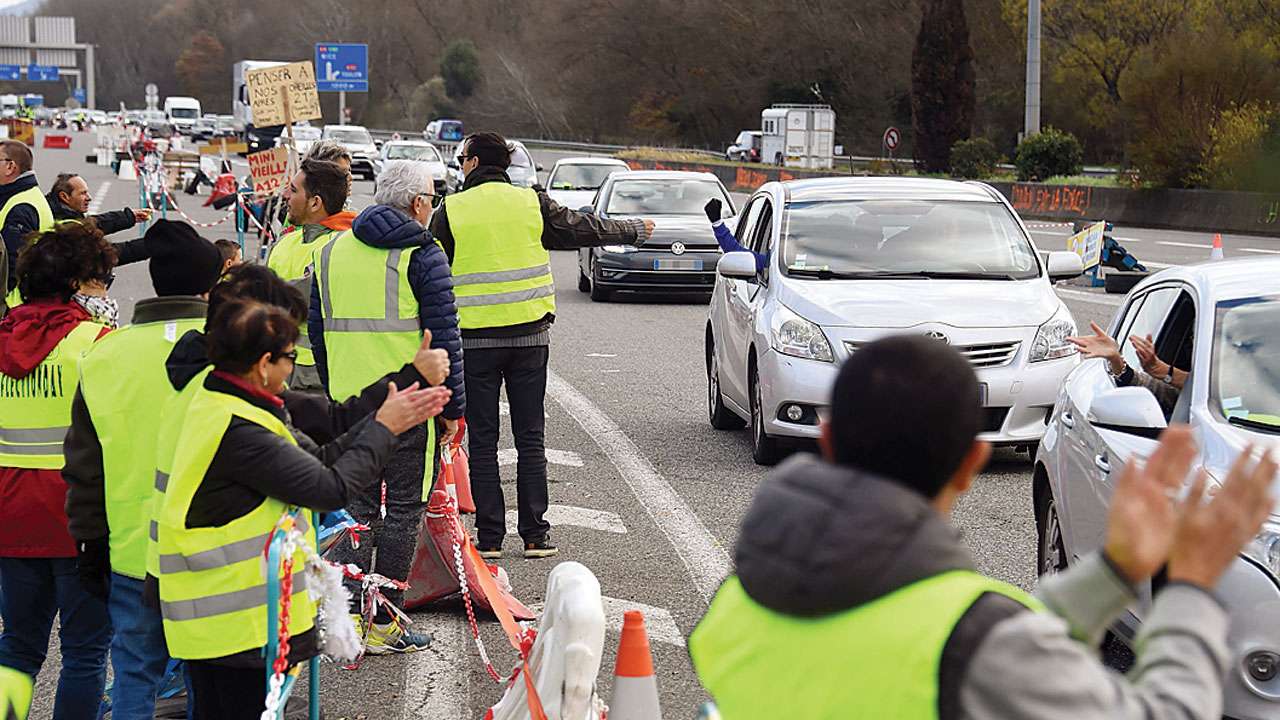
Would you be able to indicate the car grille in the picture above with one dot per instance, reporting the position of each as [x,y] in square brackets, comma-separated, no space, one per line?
[982,355]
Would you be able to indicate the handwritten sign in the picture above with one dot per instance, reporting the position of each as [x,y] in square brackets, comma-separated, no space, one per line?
[1088,244]
[283,94]
[269,170]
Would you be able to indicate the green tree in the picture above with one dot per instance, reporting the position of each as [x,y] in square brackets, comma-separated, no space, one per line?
[942,83]
[460,69]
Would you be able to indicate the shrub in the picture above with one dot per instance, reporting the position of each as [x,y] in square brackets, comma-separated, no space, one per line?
[1236,158]
[975,158]
[1047,153]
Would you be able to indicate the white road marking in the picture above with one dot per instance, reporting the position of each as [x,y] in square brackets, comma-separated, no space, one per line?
[601,355]
[504,408]
[509,456]
[1171,243]
[1260,250]
[98,197]
[658,623]
[1089,297]
[589,518]
[437,681]
[705,559]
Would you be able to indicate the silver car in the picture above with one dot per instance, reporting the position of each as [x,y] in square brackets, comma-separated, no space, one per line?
[850,260]
[1219,321]
[573,181]
[357,140]
[417,150]
[523,170]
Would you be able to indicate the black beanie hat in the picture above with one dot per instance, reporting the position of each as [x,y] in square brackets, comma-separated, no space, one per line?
[182,262]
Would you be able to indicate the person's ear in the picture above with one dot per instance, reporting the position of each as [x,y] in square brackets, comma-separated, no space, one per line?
[973,463]
[260,369]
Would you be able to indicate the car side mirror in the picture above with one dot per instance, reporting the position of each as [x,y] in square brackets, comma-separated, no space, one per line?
[1127,409]
[1064,265]
[539,167]
[588,209]
[737,266]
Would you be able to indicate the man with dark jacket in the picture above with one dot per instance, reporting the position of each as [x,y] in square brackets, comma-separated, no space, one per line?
[23,209]
[69,199]
[358,333]
[854,597]
[497,237]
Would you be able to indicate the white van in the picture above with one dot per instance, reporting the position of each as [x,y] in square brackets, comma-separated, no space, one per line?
[182,112]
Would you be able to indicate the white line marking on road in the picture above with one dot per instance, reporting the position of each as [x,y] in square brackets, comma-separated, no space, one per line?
[509,456]
[437,680]
[1089,297]
[1126,239]
[601,355]
[504,408]
[99,196]
[1260,250]
[589,518]
[657,621]
[1171,243]
[704,558]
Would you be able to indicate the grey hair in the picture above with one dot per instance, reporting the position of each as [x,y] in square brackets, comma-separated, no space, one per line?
[328,150]
[400,182]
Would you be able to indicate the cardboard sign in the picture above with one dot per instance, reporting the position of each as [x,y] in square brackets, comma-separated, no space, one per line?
[220,147]
[269,169]
[283,95]
[1088,244]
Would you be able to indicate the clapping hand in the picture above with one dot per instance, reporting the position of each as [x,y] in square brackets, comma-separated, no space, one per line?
[409,408]
[1146,351]
[1099,345]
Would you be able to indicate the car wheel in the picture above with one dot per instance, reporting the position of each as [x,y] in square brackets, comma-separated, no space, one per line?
[598,294]
[1051,553]
[764,449]
[722,418]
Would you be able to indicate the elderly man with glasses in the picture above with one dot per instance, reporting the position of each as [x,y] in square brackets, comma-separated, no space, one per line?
[377,289]
[23,210]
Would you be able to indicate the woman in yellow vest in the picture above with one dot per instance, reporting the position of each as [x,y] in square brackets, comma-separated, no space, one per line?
[41,342]
[239,466]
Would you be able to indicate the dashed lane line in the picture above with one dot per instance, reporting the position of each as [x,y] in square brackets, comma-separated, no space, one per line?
[560,515]
[510,456]
[1174,243]
[1089,297]
[1260,251]
[96,204]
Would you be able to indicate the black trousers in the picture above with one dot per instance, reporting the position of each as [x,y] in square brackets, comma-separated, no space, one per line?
[226,693]
[524,370]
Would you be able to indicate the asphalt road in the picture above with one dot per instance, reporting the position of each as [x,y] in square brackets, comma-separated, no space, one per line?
[645,493]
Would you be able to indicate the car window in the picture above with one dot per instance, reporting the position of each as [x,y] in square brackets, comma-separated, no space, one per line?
[1147,321]
[581,177]
[762,235]
[1246,362]
[665,196]
[746,221]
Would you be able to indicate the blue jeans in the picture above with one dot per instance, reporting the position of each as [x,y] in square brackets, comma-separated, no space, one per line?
[138,651]
[32,592]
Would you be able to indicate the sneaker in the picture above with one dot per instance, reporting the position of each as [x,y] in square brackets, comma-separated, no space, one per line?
[390,638]
[490,553]
[540,549]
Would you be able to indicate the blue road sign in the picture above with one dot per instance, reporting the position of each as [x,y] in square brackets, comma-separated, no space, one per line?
[10,72]
[80,95]
[42,73]
[342,67]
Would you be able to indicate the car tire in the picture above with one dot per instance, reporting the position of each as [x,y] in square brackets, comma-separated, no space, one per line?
[584,282]
[765,450]
[1051,552]
[722,418]
[598,294]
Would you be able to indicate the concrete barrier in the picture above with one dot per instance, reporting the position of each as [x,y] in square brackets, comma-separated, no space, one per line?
[739,178]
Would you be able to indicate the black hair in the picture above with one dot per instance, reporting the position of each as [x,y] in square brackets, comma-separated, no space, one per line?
[326,180]
[53,263]
[257,282]
[228,248]
[242,331]
[905,408]
[489,148]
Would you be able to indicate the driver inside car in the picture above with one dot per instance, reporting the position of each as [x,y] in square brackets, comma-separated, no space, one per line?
[1162,379]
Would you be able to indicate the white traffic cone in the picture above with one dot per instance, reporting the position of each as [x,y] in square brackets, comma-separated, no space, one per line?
[127,172]
[635,689]
[1216,253]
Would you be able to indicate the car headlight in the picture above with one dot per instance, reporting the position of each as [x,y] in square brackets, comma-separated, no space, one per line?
[793,335]
[618,249]
[1265,549]
[1051,339]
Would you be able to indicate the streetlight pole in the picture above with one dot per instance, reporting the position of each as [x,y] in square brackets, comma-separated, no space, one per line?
[1031,124]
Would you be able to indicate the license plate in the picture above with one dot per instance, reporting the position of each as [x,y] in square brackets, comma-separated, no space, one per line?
[680,264]
[982,394]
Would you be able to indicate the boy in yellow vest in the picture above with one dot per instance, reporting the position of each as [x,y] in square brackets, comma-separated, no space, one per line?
[855,598]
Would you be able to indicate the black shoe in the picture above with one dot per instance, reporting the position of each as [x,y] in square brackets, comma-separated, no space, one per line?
[540,549]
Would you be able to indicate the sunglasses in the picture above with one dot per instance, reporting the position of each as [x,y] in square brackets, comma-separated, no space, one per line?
[436,199]
[292,355]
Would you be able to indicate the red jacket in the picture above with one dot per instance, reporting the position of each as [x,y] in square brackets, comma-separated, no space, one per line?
[33,519]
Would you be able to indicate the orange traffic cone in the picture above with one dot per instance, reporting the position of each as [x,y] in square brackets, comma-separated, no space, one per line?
[635,689]
[1216,253]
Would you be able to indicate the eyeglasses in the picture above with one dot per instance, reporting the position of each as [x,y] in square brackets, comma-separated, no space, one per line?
[436,199]
[292,355]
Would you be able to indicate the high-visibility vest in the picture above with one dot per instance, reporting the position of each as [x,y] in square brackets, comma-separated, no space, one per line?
[15,694]
[880,660]
[291,259]
[501,271]
[33,197]
[35,411]
[171,418]
[213,588]
[124,384]
[367,333]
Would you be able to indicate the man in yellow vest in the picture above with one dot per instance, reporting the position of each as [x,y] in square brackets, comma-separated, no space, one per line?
[315,198]
[854,597]
[377,287]
[497,237]
[23,209]
[111,451]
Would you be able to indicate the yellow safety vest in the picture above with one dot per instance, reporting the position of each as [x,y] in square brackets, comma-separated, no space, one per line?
[123,383]
[501,271]
[35,411]
[213,588]
[15,694]
[171,420]
[291,259]
[33,197]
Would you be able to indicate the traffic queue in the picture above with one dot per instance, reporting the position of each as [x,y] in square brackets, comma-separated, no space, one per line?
[145,465]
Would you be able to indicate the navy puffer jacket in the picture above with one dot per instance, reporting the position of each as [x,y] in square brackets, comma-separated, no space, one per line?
[385,227]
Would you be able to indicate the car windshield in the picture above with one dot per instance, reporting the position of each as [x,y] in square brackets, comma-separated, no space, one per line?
[1246,362]
[350,137]
[185,113]
[906,238]
[581,177]
[306,133]
[450,130]
[426,153]
[663,197]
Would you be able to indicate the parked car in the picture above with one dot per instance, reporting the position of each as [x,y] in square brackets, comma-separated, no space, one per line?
[357,140]
[1218,321]
[304,136]
[573,181]
[414,150]
[224,126]
[523,170]
[853,259]
[449,131]
[746,147]
[680,256]
[203,128]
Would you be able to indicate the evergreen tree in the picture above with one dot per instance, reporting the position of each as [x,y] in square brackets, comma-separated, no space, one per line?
[942,84]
